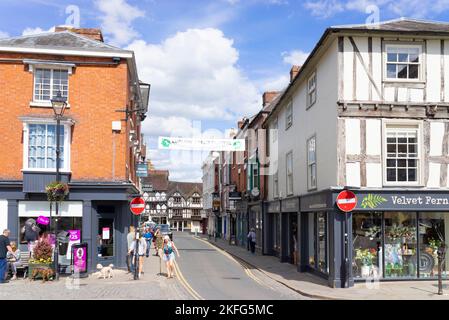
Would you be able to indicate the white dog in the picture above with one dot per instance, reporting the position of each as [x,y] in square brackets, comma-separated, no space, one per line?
[105,272]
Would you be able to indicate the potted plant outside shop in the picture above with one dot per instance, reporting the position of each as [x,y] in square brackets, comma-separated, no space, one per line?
[366,257]
[42,257]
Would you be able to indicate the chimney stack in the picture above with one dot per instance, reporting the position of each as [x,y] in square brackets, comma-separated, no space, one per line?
[92,33]
[294,72]
[268,97]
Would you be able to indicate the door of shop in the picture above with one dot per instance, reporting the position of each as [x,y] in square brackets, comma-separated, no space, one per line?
[106,247]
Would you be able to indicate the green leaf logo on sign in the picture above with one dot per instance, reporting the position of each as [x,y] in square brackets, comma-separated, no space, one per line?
[372,201]
[236,144]
[165,143]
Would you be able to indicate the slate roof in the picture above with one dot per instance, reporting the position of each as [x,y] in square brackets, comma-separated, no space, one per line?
[401,25]
[58,40]
[158,178]
[185,188]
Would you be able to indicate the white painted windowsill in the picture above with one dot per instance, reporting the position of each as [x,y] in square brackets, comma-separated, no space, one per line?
[44,104]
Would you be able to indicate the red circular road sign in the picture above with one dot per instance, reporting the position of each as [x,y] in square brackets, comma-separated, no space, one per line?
[137,206]
[346,201]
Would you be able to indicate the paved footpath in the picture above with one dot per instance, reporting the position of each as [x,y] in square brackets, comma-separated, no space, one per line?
[315,287]
[120,287]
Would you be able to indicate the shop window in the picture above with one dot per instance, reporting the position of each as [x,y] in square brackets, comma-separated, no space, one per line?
[62,224]
[433,230]
[311,163]
[322,241]
[289,173]
[400,245]
[367,244]
[276,232]
[311,240]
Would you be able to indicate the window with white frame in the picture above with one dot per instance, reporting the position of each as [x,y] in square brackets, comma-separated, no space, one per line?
[289,172]
[48,82]
[402,160]
[40,147]
[403,62]
[311,163]
[289,116]
[311,90]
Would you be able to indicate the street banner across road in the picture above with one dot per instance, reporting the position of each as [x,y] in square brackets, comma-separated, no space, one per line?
[177,143]
[137,206]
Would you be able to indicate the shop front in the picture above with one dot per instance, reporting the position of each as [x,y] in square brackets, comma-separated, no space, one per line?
[256,214]
[289,229]
[96,215]
[396,234]
[273,229]
[390,235]
[242,223]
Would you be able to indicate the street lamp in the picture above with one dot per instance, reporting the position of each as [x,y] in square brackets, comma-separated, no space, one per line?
[59,104]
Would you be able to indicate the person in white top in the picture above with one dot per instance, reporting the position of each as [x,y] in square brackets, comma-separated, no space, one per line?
[142,248]
[252,240]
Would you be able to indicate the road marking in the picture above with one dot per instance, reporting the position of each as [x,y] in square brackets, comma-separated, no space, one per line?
[185,284]
[246,267]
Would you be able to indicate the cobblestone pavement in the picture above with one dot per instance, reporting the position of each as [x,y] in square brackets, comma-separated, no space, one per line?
[121,286]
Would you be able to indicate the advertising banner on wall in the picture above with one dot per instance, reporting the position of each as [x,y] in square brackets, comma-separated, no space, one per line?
[179,143]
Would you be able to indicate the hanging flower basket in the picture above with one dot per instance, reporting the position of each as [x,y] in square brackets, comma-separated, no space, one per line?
[57,191]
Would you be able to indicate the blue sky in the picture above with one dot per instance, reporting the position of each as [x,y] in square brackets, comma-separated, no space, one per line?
[208,61]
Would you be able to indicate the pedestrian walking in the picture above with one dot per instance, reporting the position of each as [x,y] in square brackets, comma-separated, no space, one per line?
[13,259]
[252,240]
[129,258]
[169,250]
[158,241]
[139,253]
[5,247]
[148,235]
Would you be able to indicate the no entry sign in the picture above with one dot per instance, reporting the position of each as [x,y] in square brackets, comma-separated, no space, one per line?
[346,201]
[137,206]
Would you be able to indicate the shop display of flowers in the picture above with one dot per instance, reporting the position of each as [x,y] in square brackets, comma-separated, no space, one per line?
[42,253]
[365,256]
[395,233]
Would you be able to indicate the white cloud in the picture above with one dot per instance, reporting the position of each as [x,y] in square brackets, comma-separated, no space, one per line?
[194,74]
[194,77]
[295,57]
[412,8]
[117,19]
[278,83]
[3,35]
[37,30]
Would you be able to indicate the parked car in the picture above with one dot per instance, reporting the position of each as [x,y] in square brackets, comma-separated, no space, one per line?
[165,230]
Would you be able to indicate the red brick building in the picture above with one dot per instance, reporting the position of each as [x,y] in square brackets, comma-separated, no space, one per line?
[100,146]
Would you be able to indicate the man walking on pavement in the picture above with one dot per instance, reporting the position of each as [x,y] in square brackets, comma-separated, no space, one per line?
[252,240]
[5,247]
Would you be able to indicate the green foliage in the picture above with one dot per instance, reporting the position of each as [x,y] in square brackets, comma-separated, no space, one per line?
[43,251]
[372,201]
[56,191]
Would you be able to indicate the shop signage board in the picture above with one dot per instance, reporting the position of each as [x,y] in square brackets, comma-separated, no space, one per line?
[346,201]
[74,238]
[147,187]
[396,201]
[142,170]
[79,260]
[290,205]
[137,206]
[180,143]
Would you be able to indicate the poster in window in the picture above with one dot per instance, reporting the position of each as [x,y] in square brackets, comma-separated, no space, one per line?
[106,234]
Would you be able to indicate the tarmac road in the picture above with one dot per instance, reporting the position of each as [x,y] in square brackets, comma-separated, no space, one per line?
[212,274]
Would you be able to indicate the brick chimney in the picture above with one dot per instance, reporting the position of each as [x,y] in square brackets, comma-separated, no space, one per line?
[92,33]
[294,72]
[269,96]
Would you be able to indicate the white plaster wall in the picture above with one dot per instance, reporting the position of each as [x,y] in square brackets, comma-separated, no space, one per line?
[3,215]
[319,120]
[363,81]
[434,175]
[374,175]
[352,136]
[436,138]
[373,137]
[433,70]
[353,174]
